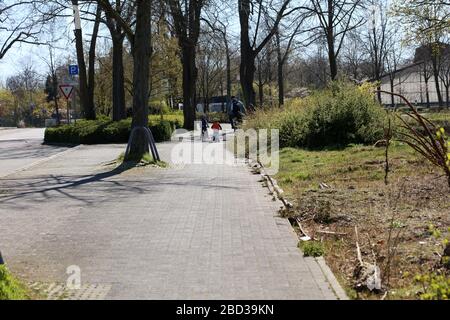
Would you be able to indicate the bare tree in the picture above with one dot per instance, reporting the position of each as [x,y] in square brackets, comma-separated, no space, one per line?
[186,16]
[219,24]
[392,61]
[251,17]
[139,36]
[377,40]
[125,9]
[336,19]
[285,36]
[21,22]
[52,88]
[354,58]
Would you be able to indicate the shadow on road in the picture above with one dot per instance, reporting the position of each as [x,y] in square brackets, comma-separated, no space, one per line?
[21,193]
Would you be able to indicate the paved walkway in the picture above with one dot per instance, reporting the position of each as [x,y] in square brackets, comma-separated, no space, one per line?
[198,232]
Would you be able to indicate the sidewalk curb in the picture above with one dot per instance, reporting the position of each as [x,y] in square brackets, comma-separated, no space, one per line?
[320,261]
[36,163]
[331,278]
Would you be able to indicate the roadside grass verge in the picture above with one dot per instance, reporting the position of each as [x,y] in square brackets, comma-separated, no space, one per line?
[10,287]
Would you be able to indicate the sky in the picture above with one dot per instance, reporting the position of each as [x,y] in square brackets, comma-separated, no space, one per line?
[22,55]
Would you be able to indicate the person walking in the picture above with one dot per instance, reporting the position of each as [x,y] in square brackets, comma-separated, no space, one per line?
[205,126]
[235,114]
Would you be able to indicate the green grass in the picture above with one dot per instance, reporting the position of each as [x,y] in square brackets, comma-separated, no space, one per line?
[312,248]
[438,116]
[306,169]
[10,288]
[146,160]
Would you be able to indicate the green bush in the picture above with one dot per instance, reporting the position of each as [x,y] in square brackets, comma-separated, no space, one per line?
[312,248]
[338,116]
[435,286]
[106,131]
[10,288]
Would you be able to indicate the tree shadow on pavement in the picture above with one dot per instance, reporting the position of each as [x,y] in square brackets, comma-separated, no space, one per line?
[62,184]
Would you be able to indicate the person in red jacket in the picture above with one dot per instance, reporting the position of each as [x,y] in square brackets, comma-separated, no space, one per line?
[216,128]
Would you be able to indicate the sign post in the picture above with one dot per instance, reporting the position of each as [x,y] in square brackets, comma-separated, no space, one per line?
[67,91]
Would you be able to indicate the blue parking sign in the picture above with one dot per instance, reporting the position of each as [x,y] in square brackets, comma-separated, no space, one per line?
[73,70]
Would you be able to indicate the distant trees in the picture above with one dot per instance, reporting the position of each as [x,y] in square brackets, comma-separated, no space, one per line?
[218,21]
[252,15]
[286,46]
[26,89]
[336,18]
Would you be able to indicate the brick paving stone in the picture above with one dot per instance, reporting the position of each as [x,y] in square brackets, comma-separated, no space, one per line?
[193,232]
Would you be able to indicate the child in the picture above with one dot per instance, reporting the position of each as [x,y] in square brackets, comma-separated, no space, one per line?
[216,127]
[205,127]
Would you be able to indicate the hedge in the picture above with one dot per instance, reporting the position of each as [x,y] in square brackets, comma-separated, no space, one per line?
[106,131]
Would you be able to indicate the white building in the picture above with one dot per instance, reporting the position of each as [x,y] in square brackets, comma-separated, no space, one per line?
[409,81]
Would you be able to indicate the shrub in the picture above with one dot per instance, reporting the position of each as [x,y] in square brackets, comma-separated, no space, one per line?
[106,131]
[10,288]
[312,248]
[435,286]
[162,131]
[337,116]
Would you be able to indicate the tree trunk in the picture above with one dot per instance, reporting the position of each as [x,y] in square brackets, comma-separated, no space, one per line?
[333,62]
[247,71]
[331,48]
[436,80]
[227,50]
[447,96]
[189,82]
[55,95]
[260,88]
[118,90]
[142,50]
[280,66]
[280,83]
[427,93]
[91,71]
[391,80]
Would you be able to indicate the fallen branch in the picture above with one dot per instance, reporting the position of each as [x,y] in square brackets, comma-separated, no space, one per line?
[331,233]
[306,236]
[358,249]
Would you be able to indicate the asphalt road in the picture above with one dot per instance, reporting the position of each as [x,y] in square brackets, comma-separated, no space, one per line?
[21,148]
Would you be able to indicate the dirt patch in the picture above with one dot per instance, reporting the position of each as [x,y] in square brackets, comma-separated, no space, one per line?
[393,221]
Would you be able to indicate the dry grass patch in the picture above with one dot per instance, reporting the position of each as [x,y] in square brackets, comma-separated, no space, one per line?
[336,190]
